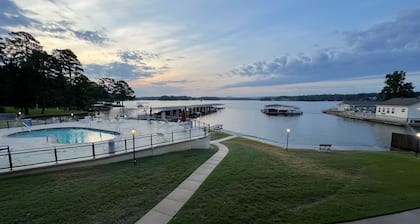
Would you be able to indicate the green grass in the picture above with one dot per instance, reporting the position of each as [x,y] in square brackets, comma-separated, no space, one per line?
[113,193]
[215,135]
[35,112]
[259,183]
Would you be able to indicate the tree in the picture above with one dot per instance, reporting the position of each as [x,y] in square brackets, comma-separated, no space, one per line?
[69,66]
[20,51]
[2,53]
[30,76]
[117,90]
[396,87]
[123,91]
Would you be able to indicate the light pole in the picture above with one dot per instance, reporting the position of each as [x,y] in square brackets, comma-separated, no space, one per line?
[133,132]
[287,138]
[417,145]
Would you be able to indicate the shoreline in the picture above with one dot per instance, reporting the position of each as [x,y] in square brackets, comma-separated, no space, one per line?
[310,147]
[366,117]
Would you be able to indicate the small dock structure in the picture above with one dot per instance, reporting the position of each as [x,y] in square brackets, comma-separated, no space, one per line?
[174,113]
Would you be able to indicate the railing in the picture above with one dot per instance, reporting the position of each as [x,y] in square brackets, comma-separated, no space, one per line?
[11,160]
[38,121]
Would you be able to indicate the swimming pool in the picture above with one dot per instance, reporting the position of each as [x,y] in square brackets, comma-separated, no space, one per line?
[69,135]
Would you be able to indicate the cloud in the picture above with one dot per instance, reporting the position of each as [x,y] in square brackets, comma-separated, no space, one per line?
[95,37]
[13,18]
[137,56]
[380,49]
[165,83]
[400,34]
[119,70]
[132,65]
[12,15]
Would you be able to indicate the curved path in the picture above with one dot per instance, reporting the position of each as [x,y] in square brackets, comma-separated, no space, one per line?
[168,207]
[406,217]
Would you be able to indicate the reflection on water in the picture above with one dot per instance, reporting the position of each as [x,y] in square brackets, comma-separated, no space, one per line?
[310,129]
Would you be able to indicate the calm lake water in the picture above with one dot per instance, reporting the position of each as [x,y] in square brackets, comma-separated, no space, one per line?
[308,130]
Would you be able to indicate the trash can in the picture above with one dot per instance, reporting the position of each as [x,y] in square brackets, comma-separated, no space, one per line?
[111,146]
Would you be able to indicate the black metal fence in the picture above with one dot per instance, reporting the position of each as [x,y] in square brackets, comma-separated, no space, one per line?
[13,159]
[13,123]
[404,142]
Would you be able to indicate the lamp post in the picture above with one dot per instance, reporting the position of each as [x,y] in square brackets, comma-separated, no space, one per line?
[417,145]
[287,138]
[71,115]
[133,132]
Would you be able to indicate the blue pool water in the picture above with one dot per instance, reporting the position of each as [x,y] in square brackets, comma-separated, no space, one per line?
[69,135]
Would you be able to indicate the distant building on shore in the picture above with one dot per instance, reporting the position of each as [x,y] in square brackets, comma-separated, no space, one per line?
[407,109]
[396,111]
[358,106]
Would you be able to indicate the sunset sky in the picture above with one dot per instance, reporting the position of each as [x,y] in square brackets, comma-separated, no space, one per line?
[230,48]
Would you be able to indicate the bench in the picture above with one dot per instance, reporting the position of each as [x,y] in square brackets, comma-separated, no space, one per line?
[325,147]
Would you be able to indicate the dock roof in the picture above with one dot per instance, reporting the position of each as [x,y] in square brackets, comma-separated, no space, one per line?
[361,103]
[185,106]
[400,101]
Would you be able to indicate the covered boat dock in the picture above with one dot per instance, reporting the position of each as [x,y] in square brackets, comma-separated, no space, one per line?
[174,113]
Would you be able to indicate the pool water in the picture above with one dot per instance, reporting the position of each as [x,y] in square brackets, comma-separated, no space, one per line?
[69,135]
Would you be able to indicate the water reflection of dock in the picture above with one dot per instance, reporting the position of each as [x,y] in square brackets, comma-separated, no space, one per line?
[174,113]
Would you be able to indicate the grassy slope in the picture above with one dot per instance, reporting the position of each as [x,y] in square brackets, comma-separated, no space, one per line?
[258,183]
[215,135]
[113,193]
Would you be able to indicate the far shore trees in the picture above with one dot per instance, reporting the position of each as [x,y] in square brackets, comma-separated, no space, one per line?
[32,77]
[396,87]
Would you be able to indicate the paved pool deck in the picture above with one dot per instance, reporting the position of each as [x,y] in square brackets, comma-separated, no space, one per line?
[36,152]
[122,126]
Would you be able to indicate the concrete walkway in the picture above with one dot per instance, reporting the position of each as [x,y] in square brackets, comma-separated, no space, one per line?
[407,217]
[163,212]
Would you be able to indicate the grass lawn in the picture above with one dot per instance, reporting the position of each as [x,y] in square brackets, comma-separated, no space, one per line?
[35,112]
[218,135]
[259,183]
[113,193]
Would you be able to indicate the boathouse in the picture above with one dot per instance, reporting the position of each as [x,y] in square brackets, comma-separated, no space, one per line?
[407,109]
[358,106]
[174,113]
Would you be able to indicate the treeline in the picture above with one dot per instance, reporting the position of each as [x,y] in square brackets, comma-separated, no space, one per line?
[31,77]
[320,97]
[327,97]
[163,98]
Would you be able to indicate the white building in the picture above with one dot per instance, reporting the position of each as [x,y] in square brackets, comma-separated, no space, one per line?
[358,106]
[406,109]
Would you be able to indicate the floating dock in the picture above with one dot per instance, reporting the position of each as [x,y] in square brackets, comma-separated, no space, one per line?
[174,113]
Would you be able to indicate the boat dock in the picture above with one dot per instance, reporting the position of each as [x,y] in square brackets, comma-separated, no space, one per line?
[174,113]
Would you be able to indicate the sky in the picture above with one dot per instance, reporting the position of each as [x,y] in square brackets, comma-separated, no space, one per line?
[230,48]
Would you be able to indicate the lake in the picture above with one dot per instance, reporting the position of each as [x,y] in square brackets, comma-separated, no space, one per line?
[307,131]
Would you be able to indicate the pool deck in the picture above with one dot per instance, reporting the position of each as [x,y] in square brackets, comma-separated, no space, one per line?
[40,152]
[123,127]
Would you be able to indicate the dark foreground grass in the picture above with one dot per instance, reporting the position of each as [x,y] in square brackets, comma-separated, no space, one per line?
[258,183]
[113,193]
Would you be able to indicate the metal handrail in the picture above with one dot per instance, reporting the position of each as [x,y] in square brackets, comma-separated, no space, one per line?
[49,155]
